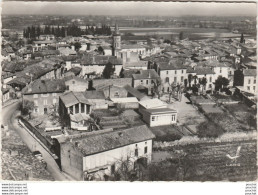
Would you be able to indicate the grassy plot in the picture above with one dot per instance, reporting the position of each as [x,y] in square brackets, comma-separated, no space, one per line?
[207,162]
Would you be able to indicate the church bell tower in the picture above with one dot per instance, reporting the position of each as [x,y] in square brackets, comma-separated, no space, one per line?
[116,40]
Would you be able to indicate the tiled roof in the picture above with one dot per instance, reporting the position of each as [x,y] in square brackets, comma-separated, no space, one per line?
[67,51]
[99,83]
[172,65]
[203,70]
[146,74]
[100,60]
[250,72]
[134,92]
[93,144]
[136,64]
[45,86]
[72,98]
[94,94]
[71,77]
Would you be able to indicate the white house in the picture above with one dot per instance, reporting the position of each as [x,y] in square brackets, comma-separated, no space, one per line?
[250,84]
[156,113]
[96,157]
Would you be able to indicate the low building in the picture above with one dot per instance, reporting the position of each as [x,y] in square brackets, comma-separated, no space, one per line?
[156,113]
[74,108]
[95,157]
[45,95]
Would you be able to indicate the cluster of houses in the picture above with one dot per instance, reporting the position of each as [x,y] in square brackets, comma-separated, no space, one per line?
[59,78]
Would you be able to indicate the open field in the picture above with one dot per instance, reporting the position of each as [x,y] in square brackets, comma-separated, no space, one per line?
[209,162]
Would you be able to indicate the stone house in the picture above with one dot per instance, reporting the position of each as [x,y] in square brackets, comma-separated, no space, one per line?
[45,95]
[146,79]
[100,155]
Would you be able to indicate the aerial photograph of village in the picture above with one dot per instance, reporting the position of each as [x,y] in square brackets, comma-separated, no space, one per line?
[128,91]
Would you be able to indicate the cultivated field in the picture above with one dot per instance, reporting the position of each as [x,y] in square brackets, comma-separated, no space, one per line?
[209,162]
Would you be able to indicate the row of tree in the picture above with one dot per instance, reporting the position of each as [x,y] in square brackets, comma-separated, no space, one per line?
[73,30]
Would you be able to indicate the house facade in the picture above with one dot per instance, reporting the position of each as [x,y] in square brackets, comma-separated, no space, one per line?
[76,84]
[98,156]
[45,95]
[146,79]
[250,84]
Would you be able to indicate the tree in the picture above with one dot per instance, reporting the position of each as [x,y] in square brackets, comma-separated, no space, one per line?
[101,50]
[221,82]
[190,76]
[108,70]
[209,129]
[203,83]
[181,35]
[121,75]
[77,46]
[167,41]
[27,107]
[242,39]
[158,87]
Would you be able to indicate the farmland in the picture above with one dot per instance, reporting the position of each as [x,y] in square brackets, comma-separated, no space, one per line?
[208,162]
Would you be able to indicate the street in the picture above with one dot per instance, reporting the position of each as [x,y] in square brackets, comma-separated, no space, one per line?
[9,118]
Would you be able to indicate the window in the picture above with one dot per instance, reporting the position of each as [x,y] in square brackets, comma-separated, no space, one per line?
[254,81]
[35,96]
[182,71]
[249,81]
[147,82]
[153,118]
[175,71]
[248,88]
[45,102]
[54,101]
[67,87]
[136,152]
[210,79]
[36,110]
[35,102]
[173,117]
[167,80]
[182,79]
[54,94]
[116,94]
[113,168]
[145,149]
[210,85]
[141,81]
[77,108]
[167,72]
[82,108]
[71,110]
[254,88]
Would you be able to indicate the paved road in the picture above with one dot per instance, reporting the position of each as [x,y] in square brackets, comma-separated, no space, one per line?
[9,118]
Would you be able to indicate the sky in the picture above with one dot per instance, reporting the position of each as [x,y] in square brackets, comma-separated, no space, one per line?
[130,8]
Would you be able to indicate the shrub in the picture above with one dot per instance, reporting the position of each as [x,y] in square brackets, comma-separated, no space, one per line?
[209,129]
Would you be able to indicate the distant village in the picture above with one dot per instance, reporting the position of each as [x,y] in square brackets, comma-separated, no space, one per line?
[101,103]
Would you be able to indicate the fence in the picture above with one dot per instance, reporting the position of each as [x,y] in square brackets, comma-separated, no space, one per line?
[33,130]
